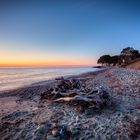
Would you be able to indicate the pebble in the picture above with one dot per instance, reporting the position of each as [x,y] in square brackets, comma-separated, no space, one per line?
[55,132]
[50,137]
[35,109]
[44,129]
[74,131]
[64,134]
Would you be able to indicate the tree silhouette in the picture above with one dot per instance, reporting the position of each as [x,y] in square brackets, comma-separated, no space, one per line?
[105,59]
[128,54]
[114,60]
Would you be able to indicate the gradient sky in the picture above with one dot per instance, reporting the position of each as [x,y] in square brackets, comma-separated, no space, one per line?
[66,32]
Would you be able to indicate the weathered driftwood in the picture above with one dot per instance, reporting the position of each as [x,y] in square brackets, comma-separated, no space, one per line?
[51,95]
[92,100]
[95,97]
[75,98]
[65,85]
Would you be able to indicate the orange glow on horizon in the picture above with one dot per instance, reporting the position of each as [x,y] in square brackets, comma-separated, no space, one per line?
[38,62]
[68,63]
[12,55]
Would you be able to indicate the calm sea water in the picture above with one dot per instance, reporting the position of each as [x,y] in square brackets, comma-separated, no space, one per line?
[13,77]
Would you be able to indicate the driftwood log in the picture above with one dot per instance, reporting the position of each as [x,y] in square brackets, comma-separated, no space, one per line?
[68,91]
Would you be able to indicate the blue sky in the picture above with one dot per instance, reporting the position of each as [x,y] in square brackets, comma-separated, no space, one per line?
[70,32]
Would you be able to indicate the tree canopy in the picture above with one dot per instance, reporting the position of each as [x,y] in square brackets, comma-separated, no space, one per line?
[126,56]
[104,59]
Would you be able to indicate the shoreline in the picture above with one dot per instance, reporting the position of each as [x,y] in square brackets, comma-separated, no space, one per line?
[26,76]
[45,110]
[46,82]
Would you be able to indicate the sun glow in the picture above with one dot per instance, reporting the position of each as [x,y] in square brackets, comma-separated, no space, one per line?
[29,59]
[37,62]
[20,55]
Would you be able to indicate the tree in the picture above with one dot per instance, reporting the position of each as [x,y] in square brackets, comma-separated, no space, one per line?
[135,54]
[128,54]
[114,59]
[105,59]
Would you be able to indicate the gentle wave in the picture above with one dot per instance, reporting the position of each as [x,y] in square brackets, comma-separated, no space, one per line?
[13,77]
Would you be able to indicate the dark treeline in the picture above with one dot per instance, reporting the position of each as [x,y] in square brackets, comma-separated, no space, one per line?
[126,56]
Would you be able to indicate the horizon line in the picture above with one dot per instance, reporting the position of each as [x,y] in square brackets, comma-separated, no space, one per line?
[48,65]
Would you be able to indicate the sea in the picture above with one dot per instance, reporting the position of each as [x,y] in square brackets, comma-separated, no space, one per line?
[14,77]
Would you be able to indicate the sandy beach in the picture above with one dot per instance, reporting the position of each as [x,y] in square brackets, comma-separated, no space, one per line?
[102,105]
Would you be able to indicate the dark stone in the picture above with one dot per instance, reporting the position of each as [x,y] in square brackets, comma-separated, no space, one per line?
[50,137]
[64,133]
[74,131]
[89,112]
[59,78]
[55,132]
[44,129]
[37,138]
[104,94]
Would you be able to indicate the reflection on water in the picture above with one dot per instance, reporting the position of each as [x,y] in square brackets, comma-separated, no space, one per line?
[12,77]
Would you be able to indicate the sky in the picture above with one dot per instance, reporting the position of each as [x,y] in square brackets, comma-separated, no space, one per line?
[66,32]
